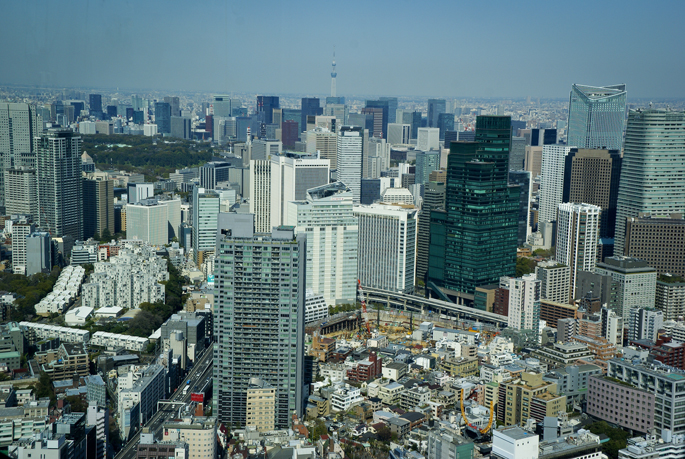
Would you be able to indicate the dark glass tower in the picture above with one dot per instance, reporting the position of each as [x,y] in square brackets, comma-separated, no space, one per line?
[480,226]
[385,105]
[445,123]
[163,117]
[310,106]
[267,104]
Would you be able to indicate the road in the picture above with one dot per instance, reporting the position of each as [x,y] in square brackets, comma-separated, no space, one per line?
[197,376]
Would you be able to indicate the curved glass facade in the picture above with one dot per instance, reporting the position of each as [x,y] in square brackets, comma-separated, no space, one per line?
[596,116]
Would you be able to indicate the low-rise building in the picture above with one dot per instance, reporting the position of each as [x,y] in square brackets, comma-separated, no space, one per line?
[395,371]
[651,446]
[37,332]
[391,393]
[620,404]
[344,397]
[64,362]
[366,370]
[414,396]
[572,381]
[561,354]
[261,405]
[460,367]
[115,340]
[198,432]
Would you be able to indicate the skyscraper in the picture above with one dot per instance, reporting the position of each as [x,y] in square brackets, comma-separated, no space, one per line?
[385,106]
[163,117]
[21,192]
[426,162]
[323,142]
[524,303]
[260,194]
[60,193]
[577,237]
[95,105]
[289,133]
[376,114]
[445,123]
[174,104]
[428,139]
[392,108]
[433,198]
[19,125]
[653,172]
[309,106]
[435,107]
[552,181]
[592,177]
[325,217]
[98,207]
[525,183]
[399,133]
[267,104]
[205,210]
[474,242]
[596,116]
[350,159]
[517,155]
[636,283]
[291,177]
[259,323]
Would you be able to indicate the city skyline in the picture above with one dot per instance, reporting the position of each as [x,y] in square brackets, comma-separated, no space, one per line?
[151,49]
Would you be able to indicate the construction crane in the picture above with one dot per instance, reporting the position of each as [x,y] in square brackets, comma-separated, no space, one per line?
[463,415]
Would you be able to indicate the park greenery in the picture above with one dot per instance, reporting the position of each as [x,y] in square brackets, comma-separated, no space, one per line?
[618,438]
[150,156]
[30,289]
[525,266]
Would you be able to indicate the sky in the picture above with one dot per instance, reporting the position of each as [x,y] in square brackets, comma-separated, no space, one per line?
[395,48]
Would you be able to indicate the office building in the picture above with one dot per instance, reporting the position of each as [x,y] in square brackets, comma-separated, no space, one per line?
[174,104]
[272,346]
[222,105]
[38,253]
[399,134]
[212,173]
[98,207]
[19,125]
[163,117]
[95,105]
[205,211]
[555,281]
[181,127]
[138,392]
[660,241]
[382,116]
[323,143]
[435,108]
[636,283]
[426,162]
[387,247]
[596,116]
[592,177]
[260,194]
[445,123]
[525,184]
[663,382]
[528,397]
[524,303]
[533,161]
[349,161]
[573,380]
[577,237]
[60,193]
[20,231]
[478,232]
[326,218]
[517,155]
[139,192]
[552,181]
[266,104]
[428,139]
[664,445]
[645,323]
[653,167]
[21,192]
[290,132]
[148,220]
[447,445]
[601,287]
[433,198]
[392,108]
[291,177]
[310,107]
[670,296]
[608,400]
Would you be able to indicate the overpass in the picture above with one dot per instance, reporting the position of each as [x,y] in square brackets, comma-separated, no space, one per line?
[419,304]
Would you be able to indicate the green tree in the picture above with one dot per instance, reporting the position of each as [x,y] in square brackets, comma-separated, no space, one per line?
[618,438]
[44,388]
[384,434]
[318,430]
[525,266]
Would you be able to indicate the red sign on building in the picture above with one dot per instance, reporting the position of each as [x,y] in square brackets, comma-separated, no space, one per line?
[195,397]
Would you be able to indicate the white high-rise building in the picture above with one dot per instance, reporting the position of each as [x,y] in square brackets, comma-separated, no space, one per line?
[636,283]
[428,139]
[577,238]
[555,281]
[350,142]
[524,302]
[291,178]
[380,148]
[399,133]
[19,256]
[552,180]
[326,218]
[260,194]
[324,142]
[205,210]
[387,247]
[21,191]
[148,221]
[645,323]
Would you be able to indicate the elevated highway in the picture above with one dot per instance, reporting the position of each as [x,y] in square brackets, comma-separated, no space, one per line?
[415,303]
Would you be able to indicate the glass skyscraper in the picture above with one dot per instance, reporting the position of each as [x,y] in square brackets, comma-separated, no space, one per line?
[477,235]
[596,116]
[653,170]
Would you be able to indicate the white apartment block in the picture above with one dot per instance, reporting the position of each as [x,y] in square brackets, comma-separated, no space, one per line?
[636,283]
[19,257]
[148,387]
[114,340]
[128,279]
[345,397]
[552,180]
[315,307]
[65,334]
[577,238]
[198,432]
[524,302]
[387,247]
[65,290]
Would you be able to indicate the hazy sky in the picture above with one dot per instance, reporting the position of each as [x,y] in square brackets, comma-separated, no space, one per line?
[433,48]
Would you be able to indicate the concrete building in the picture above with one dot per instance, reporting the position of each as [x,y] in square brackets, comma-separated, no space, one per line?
[433,198]
[205,212]
[20,191]
[291,177]
[19,125]
[514,443]
[519,394]
[148,220]
[326,217]
[98,206]
[345,397]
[552,181]
[260,194]
[428,139]
[274,353]
[115,340]
[140,391]
[200,434]
[577,238]
[261,405]
[387,247]
[644,324]
[448,445]
[562,354]
[399,134]
[596,116]
[651,238]
[397,196]
[20,231]
[620,404]
[555,281]
[524,303]
[138,192]
[349,159]
[573,381]
[670,296]
[667,446]
[38,331]
[636,283]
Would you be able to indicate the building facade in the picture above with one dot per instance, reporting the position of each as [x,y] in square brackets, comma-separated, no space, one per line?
[596,116]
